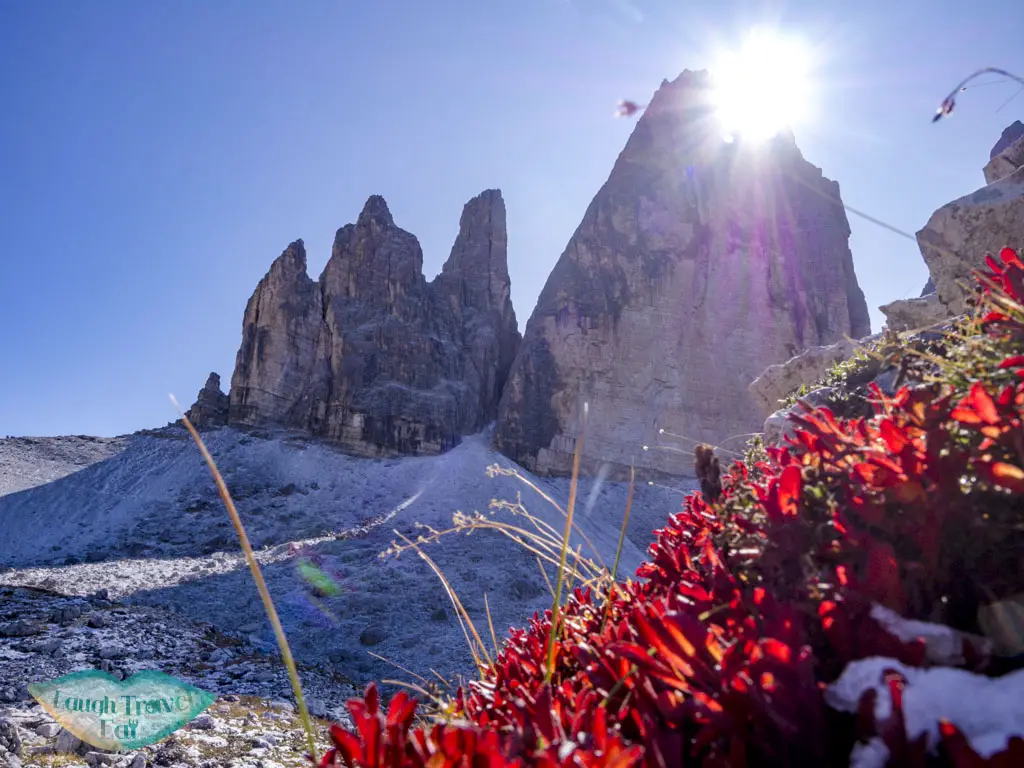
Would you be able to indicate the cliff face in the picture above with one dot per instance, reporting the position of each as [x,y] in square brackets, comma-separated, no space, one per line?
[372,356]
[698,264]
[281,331]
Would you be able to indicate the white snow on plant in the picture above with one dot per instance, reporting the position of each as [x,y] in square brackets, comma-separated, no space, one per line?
[871,754]
[988,711]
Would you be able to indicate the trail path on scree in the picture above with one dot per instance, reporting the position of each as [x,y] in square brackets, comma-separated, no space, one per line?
[146,524]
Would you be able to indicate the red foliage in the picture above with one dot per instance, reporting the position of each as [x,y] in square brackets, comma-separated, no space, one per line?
[756,596]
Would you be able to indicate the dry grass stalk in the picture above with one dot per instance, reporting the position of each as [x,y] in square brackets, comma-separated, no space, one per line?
[261,585]
[560,579]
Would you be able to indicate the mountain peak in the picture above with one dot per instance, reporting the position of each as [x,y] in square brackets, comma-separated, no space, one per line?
[376,211]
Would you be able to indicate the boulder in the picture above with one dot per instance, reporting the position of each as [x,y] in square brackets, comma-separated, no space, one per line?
[372,356]
[698,264]
[914,314]
[781,380]
[957,237]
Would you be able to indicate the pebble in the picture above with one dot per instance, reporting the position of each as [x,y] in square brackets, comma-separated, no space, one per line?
[66,615]
[203,722]
[67,742]
[19,628]
[47,730]
[97,621]
[10,738]
[220,655]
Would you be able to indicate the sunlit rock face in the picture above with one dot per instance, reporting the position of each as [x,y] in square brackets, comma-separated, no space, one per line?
[958,235]
[372,356]
[698,264]
[1008,153]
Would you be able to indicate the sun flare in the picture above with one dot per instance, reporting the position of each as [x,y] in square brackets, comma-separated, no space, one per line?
[762,86]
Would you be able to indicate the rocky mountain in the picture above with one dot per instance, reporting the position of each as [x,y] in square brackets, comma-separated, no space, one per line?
[372,356]
[698,264]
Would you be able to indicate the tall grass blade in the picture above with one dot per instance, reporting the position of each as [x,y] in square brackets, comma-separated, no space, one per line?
[261,585]
[625,521]
[490,624]
[479,656]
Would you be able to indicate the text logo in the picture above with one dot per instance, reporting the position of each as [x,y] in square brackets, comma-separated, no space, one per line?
[120,714]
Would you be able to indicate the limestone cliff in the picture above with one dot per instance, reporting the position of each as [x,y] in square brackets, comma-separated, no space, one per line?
[372,356]
[698,264]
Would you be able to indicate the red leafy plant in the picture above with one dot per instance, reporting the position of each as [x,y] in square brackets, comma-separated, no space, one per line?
[758,592]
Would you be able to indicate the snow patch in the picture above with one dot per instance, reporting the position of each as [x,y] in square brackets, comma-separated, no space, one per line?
[988,711]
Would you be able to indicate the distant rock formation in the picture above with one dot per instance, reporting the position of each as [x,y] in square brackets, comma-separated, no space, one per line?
[698,264]
[958,235]
[211,406]
[372,356]
[914,314]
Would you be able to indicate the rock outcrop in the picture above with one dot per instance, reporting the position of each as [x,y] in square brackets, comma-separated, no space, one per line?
[697,265]
[914,314]
[958,235]
[211,406]
[1007,155]
[372,356]
[783,379]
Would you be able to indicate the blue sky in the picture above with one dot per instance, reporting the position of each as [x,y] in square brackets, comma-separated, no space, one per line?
[155,157]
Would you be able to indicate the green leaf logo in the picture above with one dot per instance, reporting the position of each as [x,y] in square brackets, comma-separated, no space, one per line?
[113,714]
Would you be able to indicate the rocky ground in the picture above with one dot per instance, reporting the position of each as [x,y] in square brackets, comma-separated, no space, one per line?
[26,462]
[147,526]
[129,563]
[44,635]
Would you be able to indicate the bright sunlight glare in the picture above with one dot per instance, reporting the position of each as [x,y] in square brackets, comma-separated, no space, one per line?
[763,85]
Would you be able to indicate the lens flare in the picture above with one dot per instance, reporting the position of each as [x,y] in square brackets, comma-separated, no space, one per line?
[763,86]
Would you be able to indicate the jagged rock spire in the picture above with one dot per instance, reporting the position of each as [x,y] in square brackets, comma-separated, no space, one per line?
[371,355]
[698,264]
[211,406]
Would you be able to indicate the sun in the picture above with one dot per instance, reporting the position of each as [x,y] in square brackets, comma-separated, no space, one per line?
[762,86]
